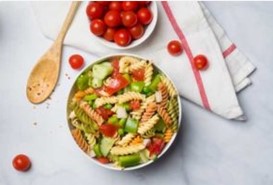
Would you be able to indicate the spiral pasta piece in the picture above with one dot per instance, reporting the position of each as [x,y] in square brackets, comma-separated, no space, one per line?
[136,140]
[76,133]
[164,115]
[126,139]
[82,93]
[91,139]
[91,113]
[137,66]
[149,112]
[136,114]
[148,134]
[171,90]
[168,135]
[164,93]
[128,96]
[145,126]
[173,111]
[104,100]
[125,62]
[148,74]
[130,149]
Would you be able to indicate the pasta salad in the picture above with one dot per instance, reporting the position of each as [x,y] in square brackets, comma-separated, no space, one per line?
[123,111]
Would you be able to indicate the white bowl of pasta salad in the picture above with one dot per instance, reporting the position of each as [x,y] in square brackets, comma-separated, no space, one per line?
[123,112]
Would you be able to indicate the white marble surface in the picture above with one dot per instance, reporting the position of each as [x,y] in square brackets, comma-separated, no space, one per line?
[209,150]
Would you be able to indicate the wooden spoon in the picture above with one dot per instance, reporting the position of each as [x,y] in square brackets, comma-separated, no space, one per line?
[44,75]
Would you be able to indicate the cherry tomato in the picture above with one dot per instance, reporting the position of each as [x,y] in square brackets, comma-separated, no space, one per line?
[137,31]
[112,18]
[144,16]
[135,104]
[174,47]
[105,113]
[117,83]
[144,3]
[94,10]
[138,74]
[97,27]
[122,37]
[156,146]
[129,5]
[115,5]
[109,34]
[129,18]
[103,160]
[21,162]
[200,62]
[109,130]
[115,64]
[104,3]
[76,61]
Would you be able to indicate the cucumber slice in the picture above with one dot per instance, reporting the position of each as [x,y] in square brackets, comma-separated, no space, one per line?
[106,145]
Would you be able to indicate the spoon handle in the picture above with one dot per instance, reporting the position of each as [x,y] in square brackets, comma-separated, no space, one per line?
[69,17]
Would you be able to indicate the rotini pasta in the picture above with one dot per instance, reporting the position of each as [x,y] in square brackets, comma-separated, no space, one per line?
[128,96]
[91,113]
[130,149]
[145,126]
[119,115]
[76,133]
[171,90]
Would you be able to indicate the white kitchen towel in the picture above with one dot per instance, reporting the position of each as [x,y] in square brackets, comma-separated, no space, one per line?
[214,89]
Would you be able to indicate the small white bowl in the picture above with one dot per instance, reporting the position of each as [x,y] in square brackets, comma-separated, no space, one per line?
[148,31]
[110,166]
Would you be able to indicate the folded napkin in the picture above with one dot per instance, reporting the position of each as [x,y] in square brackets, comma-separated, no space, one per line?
[191,23]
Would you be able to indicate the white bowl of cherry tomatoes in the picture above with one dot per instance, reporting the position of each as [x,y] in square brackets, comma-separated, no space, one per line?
[122,24]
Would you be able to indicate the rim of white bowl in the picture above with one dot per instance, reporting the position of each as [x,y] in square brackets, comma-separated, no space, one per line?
[148,31]
[109,166]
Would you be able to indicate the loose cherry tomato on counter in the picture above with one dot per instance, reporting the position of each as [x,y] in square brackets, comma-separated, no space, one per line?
[97,27]
[94,10]
[76,61]
[174,47]
[129,18]
[122,37]
[21,162]
[109,34]
[115,5]
[135,104]
[137,31]
[200,62]
[103,160]
[138,74]
[109,130]
[112,18]
[144,16]
[129,5]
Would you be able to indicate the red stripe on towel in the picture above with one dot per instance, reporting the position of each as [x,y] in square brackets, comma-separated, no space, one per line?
[187,49]
[229,50]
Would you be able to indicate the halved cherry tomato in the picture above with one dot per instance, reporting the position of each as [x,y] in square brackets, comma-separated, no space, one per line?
[135,104]
[130,5]
[122,37]
[137,31]
[129,18]
[174,47]
[144,16]
[109,130]
[156,146]
[200,62]
[21,162]
[138,74]
[105,113]
[115,64]
[112,18]
[76,61]
[97,27]
[109,34]
[103,160]
[117,83]
[115,5]
[94,10]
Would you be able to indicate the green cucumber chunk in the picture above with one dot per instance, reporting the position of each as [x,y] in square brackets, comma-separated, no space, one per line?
[106,145]
[131,125]
[129,160]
